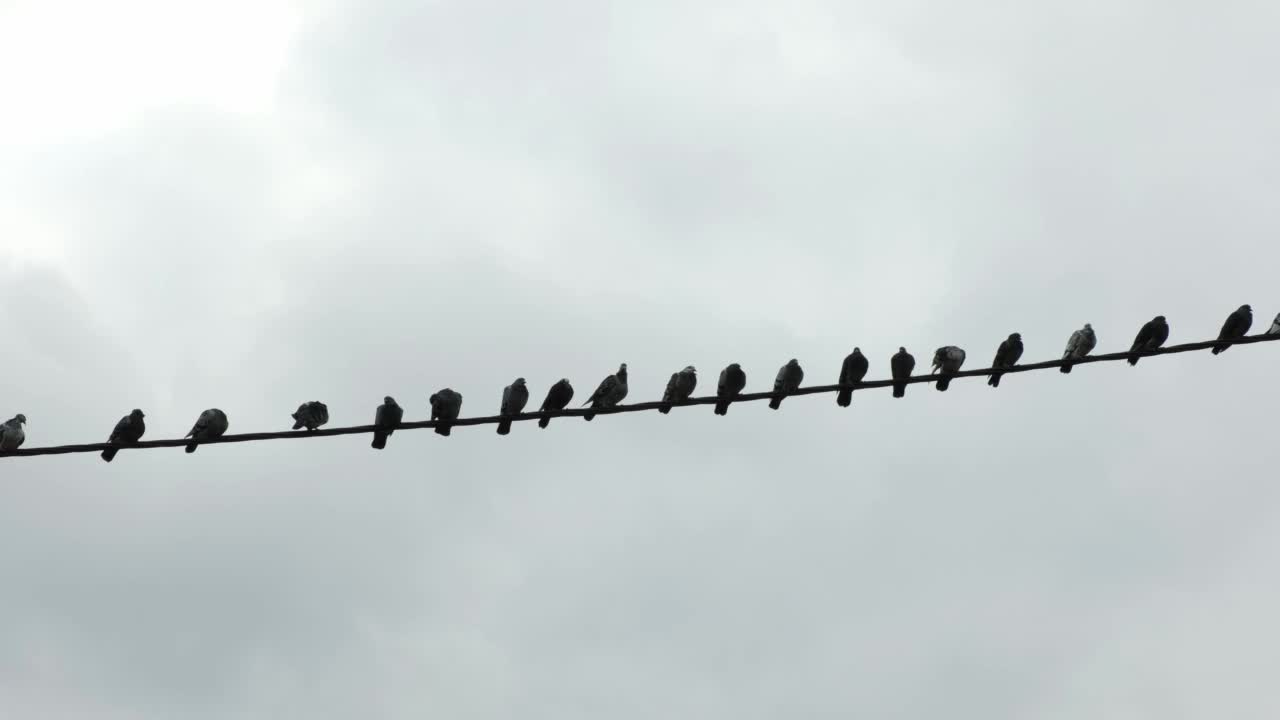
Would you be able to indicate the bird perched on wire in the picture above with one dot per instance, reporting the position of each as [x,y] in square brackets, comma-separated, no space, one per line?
[128,430]
[852,370]
[1275,326]
[558,398]
[788,381]
[11,433]
[1080,343]
[1236,326]
[445,406]
[1152,335]
[514,397]
[1007,356]
[732,382]
[310,415]
[679,388]
[901,365]
[947,361]
[611,391]
[211,424]
[385,420]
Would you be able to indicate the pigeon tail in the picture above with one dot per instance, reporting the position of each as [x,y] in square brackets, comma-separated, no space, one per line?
[899,390]
[664,409]
[994,380]
[297,424]
[1066,368]
[722,407]
[1133,359]
[504,427]
[109,454]
[775,403]
[191,447]
[379,441]
[443,430]
[844,398]
[943,383]
[1219,348]
[544,422]
[588,416]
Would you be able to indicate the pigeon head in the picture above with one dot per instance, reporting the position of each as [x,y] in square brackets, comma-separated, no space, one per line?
[1015,337]
[622,370]
[1159,319]
[519,381]
[902,350]
[388,400]
[857,351]
[20,419]
[734,366]
[690,369]
[1246,309]
[137,413]
[793,362]
[435,398]
[1088,327]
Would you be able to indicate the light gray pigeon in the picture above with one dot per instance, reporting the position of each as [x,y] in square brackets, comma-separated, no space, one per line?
[445,407]
[1275,326]
[1236,327]
[1080,343]
[514,397]
[128,431]
[947,361]
[11,433]
[679,388]
[732,380]
[211,424]
[788,381]
[612,390]
[386,419]
[310,415]
[901,365]
[852,370]
[558,398]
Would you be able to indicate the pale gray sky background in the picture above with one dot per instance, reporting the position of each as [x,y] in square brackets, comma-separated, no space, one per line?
[252,203]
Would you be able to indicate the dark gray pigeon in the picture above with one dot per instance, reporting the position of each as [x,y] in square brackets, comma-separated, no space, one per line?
[1152,335]
[1236,327]
[788,381]
[679,388]
[445,407]
[1080,343]
[732,382]
[558,398]
[852,370]
[211,424]
[310,415]
[11,433]
[901,365]
[127,432]
[1007,356]
[514,397]
[385,420]
[1275,326]
[612,390]
[946,363]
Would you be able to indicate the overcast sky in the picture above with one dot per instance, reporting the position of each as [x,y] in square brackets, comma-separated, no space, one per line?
[253,203]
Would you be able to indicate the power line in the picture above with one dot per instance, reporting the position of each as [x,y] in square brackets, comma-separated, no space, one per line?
[635,407]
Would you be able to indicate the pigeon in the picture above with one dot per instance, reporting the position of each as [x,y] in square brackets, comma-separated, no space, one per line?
[1151,336]
[901,365]
[310,415]
[385,420]
[788,380]
[445,406]
[679,388]
[558,398]
[1236,326]
[1079,344]
[212,423]
[12,434]
[852,370]
[1275,326]
[1006,357]
[514,397]
[947,361]
[612,390]
[732,381]
[128,431]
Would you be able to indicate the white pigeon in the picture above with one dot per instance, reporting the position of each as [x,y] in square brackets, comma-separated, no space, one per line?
[514,397]
[788,381]
[11,433]
[947,361]
[1080,343]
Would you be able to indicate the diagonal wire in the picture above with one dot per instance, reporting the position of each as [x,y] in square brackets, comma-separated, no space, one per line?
[634,407]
